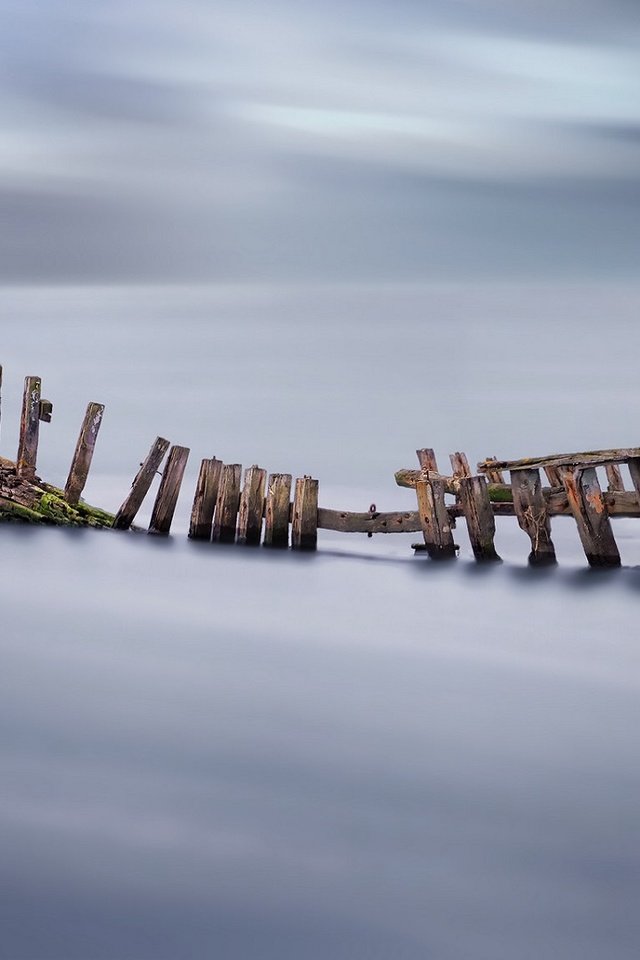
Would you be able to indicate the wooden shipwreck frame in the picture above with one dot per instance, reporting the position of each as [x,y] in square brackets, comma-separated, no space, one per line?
[255,507]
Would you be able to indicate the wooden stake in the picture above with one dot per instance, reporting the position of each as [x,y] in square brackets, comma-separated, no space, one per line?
[167,497]
[226,514]
[590,513]
[478,513]
[427,459]
[204,501]
[434,519]
[615,483]
[304,529]
[531,511]
[460,465]
[141,483]
[79,470]
[29,429]
[553,476]
[251,506]
[492,474]
[278,509]
[634,470]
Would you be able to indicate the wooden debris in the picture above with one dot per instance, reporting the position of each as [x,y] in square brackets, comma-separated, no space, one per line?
[46,411]
[531,511]
[434,519]
[79,470]
[226,513]
[460,465]
[474,498]
[167,497]
[614,477]
[634,470]
[427,459]
[589,458]
[590,513]
[251,506]
[141,483]
[204,501]
[493,474]
[554,476]
[29,429]
[278,510]
[346,521]
[304,529]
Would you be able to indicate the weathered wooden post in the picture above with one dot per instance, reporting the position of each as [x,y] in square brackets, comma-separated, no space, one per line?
[83,454]
[251,506]
[226,514]
[531,511]
[615,483]
[167,497]
[427,459]
[204,501]
[434,519]
[460,465]
[634,470]
[29,429]
[478,513]
[590,513]
[0,394]
[278,509]
[141,483]
[304,529]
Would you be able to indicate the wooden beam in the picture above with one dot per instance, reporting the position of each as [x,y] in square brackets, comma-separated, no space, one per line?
[531,511]
[226,514]
[614,477]
[251,506]
[29,429]
[474,498]
[204,500]
[167,497]
[141,483]
[634,471]
[589,458]
[346,521]
[493,474]
[304,529]
[590,513]
[434,519]
[278,510]
[427,459]
[460,465]
[83,454]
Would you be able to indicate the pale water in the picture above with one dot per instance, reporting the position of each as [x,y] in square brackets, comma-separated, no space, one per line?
[223,752]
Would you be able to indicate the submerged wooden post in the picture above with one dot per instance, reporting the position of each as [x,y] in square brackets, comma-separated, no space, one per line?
[226,515]
[531,511]
[590,513]
[304,528]
[277,512]
[79,470]
[141,483]
[29,429]
[167,497]
[478,513]
[251,506]
[434,519]
[204,501]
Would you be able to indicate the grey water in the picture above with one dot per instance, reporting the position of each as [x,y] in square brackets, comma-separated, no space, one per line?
[222,752]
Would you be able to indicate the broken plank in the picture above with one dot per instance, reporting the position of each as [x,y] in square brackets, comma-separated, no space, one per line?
[588,458]
[83,454]
[141,483]
[167,497]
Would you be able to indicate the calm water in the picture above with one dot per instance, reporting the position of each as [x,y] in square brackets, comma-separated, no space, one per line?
[217,752]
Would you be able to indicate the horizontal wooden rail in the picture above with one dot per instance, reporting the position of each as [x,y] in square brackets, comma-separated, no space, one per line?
[588,458]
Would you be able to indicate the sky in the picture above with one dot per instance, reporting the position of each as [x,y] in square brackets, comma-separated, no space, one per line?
[175,141]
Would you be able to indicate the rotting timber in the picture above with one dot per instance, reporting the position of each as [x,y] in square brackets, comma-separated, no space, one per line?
[253,507]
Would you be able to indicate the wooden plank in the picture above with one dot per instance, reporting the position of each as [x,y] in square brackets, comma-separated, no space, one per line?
[554,476]
[434,519]
[590,513]
[346,521]
[634,471]
[588,458]
[0,395]
[251,506]
[83,454]
[141,483]
[493,474]
[531,511]
[226,513]
[474,498]
[460,465]
[46,411]
[427,459]
[167,496]
[304,528]
[278,510]
[204,500]
[29,429]
[614,477]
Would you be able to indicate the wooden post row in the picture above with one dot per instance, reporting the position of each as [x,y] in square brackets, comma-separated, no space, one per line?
[83,454]
[204,501]
[141,483]
[167,497]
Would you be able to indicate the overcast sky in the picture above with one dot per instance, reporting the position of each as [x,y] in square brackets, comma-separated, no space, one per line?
[188,139]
